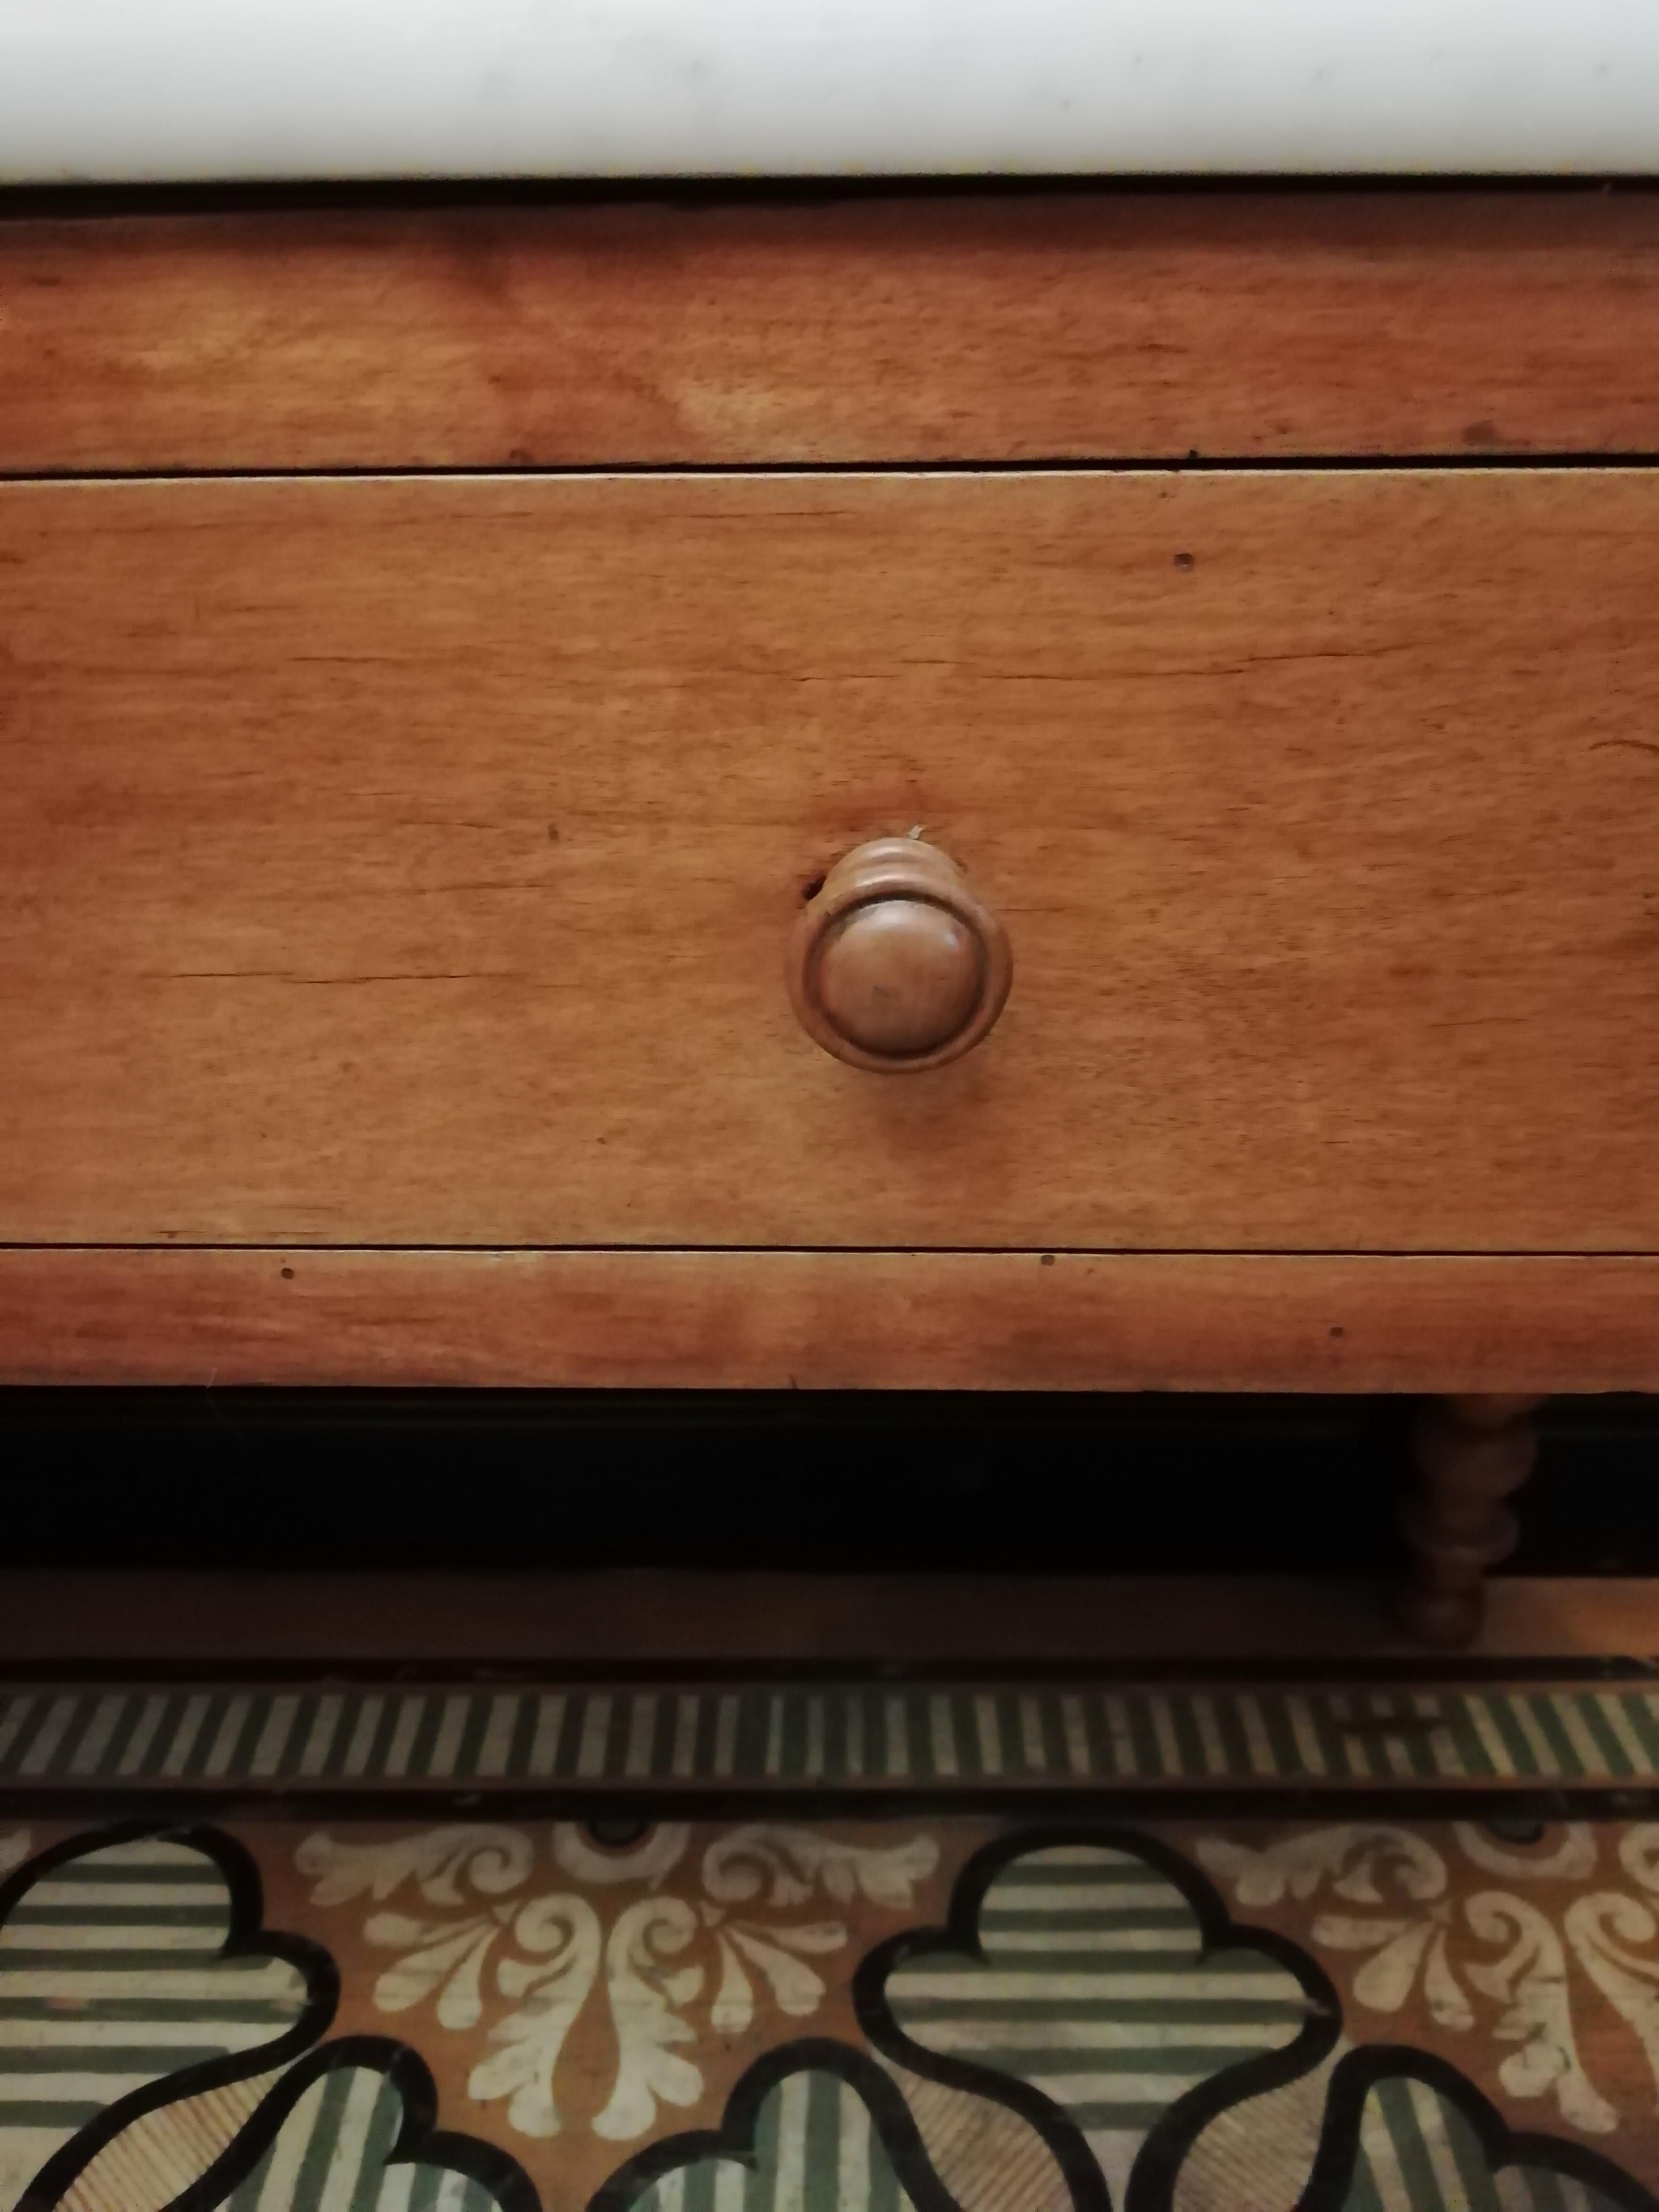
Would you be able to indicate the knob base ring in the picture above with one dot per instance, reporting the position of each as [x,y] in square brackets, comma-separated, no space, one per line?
[896,869]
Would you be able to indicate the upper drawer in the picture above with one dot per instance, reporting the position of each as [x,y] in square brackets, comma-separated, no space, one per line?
[413,861]
[979,326]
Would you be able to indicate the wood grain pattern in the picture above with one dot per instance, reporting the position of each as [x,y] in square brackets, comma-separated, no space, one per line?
[413,862]
[972,327]
[828,1320]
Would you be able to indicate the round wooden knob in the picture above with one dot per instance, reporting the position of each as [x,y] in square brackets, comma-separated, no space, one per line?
[895,963]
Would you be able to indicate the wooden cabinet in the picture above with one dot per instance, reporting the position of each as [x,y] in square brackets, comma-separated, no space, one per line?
[443,651]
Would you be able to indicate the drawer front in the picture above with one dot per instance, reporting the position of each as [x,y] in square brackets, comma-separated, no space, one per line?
[413,862]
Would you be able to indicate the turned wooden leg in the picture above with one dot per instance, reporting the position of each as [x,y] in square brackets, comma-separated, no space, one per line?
[1468,1454]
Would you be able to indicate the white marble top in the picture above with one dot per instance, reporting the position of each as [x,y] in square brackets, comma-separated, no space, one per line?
[136,90]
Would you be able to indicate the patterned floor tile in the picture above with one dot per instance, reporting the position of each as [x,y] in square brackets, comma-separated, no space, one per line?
[1022,2008]
[1533,1966]
[336,2146]
[1405,2133]
[131,1969]
[804,2136]
[1106,1979]
[587,1996]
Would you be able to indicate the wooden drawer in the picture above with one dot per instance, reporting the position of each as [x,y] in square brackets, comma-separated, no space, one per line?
[411,861]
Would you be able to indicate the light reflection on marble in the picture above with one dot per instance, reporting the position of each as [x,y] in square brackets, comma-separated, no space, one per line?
[129,90]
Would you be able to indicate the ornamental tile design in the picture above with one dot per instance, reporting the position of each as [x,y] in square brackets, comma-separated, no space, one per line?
[566,1998]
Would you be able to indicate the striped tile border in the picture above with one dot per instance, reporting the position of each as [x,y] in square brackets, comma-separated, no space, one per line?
[72,1735]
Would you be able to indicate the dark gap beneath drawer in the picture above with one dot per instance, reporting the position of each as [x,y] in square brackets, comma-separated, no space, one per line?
[862,1482]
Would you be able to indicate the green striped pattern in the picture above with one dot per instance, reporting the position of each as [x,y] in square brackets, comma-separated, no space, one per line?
[72,1736]
[816,2150]
[330,2156]
[1418,2153]
[110,1977]
[1095,1989]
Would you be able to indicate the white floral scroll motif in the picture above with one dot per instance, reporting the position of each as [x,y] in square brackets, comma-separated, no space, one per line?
[797,1988]
[657,1956]
[444,1956]
[645,1997]
[787,1865]
[1402,1949]
[1598,1928]
[1530,1981]
[493,1860]
[565,1941]
[1424,1943]
[1351,1857]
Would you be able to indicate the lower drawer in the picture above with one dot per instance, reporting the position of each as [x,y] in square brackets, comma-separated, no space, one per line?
[413,861]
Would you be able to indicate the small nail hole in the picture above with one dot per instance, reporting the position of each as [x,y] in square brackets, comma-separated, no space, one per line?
[1185,561]
[288,1274]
